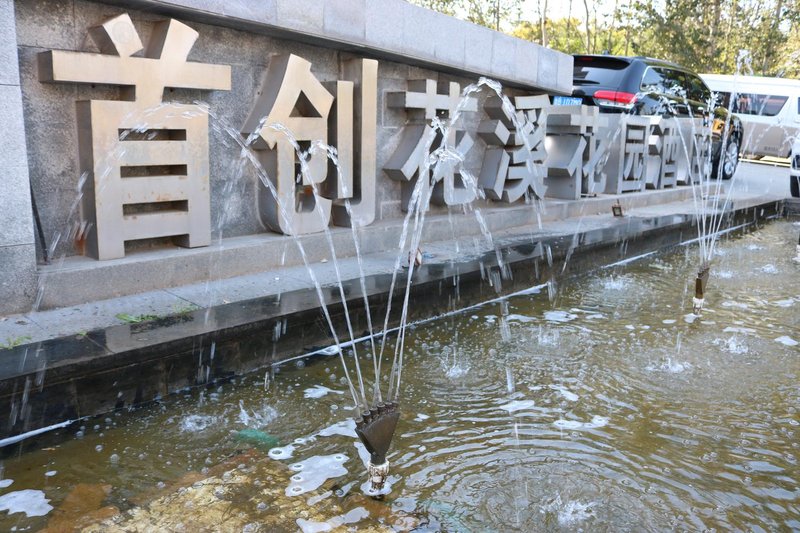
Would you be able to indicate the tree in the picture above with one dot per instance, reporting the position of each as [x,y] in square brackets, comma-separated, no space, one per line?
[719,36]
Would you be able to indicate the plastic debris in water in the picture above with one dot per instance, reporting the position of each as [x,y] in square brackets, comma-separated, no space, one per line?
[376,428]
[257,438]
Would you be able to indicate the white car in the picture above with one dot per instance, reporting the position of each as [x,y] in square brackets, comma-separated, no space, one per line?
[769,109]
[794,172]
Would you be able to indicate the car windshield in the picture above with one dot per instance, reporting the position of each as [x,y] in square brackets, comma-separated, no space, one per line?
[604,71]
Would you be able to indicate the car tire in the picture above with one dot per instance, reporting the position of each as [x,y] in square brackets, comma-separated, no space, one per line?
[728,159]
[794,186]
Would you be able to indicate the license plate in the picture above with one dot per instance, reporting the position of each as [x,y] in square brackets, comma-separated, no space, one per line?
[567,100]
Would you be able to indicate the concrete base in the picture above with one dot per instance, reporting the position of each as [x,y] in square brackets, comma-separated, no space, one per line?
[65,283]
[791,207]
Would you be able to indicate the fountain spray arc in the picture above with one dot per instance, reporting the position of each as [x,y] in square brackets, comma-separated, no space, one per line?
[378,419]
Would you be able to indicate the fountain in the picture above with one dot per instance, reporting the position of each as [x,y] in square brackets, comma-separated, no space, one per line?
[566,396]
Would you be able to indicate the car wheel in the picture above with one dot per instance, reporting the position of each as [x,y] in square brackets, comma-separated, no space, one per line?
[728,159]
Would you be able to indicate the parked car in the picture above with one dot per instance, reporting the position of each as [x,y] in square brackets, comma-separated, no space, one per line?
[646,86]
[794,172]
[768,107]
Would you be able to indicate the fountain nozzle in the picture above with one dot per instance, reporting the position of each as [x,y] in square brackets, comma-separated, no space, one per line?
[797,256]
[376,431]
[700,288]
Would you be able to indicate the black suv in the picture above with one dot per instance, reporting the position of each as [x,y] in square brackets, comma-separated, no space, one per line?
[646,86]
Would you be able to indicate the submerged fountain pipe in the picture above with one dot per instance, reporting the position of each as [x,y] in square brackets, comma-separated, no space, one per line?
[376,428]
[797,255]
[700,288]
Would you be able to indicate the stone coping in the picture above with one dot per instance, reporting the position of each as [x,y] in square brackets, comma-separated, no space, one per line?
[64,283]
[387,29]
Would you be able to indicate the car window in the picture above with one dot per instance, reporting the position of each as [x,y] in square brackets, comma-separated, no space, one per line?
[652,81]
[697,89]
[767,105]
[603,71]
[674,82]
[723,99]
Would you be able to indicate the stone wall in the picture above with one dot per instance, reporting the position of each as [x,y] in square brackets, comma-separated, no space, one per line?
[410,43]
[17,256]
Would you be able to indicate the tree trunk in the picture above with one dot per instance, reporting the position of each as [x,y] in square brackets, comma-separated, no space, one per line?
[588,31]
[543,20]
[569,22]
[611,27]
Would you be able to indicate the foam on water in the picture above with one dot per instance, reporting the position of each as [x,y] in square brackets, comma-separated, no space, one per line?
[690,318]
[673,367]
[257,419]
[724,274]
[614,284]
[574,512]
[787,341]
[363,454]
[366,487]
[566,393]
[318,391]
[457,370]
[350,517]
[345,428]
[669,321]
[50,473]
[5,483]
[517,405]
[196,423]
[421,417]
[769,269]
[785,303]
[736,305]
[281,453]
[29,501]
[732,345]
[736,329]
[311,473]
[559,316]
[520,318]
[596,422]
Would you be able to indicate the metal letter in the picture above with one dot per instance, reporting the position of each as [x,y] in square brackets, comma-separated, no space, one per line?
[148,161]
[359,185]
[423,102]
[297,112]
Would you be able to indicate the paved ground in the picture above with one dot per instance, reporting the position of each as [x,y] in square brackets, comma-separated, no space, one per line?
[753,184]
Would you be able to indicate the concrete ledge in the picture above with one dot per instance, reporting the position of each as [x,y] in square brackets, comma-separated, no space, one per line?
[385,29]
[64,283]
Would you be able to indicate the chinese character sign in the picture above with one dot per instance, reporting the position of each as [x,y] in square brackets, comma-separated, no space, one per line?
[295,111]
[514,135]
[423,101]
[148,161]
[629,147]
[573,152]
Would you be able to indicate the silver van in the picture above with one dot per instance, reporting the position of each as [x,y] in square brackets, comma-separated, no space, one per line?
[769,109]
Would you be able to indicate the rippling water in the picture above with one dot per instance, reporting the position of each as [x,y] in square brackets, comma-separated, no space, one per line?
[610,408]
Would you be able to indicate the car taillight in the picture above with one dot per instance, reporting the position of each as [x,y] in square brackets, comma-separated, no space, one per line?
[615,99]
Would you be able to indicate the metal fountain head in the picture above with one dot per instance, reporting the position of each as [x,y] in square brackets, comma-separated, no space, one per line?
[797,257]
[700,288]
[376,428]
